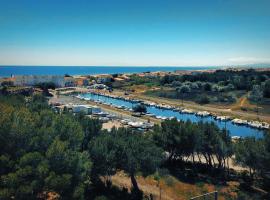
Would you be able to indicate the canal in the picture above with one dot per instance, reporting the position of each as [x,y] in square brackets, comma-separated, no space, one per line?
[235,130]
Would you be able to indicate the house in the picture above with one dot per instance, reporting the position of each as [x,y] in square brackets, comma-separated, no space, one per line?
[69,82]
[82,81]
[98,86]
[104,78]
[7,81]
[87,109]
[119,79]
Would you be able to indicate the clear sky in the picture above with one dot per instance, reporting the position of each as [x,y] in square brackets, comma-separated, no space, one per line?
[134,32]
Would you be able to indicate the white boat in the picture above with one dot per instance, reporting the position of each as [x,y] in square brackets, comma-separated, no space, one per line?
[222,118]
[135,124]
[239,121]
[187,111]
[125,121]
[203,113]
[236,137]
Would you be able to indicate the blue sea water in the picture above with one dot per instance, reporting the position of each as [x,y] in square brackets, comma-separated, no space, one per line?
[7,71]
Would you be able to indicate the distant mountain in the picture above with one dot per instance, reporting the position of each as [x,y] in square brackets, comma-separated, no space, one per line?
[256,65]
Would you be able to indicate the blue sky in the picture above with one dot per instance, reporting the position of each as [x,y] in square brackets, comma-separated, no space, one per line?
[134,32]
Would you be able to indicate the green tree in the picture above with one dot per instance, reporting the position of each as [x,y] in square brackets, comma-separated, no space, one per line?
[105,153]
[124,149]
[181,91]
[207,86]
[139,155]
[248,152]
[91,129]
[266,91]
[167,136]
[140,108]
[41,151]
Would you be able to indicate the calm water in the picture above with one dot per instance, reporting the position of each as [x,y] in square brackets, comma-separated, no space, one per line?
[235,130]
[6,71]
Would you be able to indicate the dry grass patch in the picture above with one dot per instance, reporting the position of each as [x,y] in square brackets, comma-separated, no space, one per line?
[173,189]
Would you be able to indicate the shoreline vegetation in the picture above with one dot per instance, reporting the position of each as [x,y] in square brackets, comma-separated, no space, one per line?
[52,151]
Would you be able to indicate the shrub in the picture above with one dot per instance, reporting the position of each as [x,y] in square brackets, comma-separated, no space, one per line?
[176,83]
[140,108]
[194,86]
[203,99]
[207,87]
[256,93]
[101,198]
[169,181]
[266,91]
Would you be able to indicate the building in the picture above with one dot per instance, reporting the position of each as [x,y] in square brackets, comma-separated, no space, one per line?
[7,81]
[31,80]
[86,109]
[82,81]
[69,82]
[98,86]
[104,78]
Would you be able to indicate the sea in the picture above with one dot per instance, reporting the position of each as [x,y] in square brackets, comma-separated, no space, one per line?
[8,71]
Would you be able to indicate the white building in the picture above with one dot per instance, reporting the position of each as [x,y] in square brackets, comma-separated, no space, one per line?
[87,109]
[30,80]
[98,86]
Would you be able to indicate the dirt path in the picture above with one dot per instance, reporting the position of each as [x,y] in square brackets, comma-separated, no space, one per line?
[243,101]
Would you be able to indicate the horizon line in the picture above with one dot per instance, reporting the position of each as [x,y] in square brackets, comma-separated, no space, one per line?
[231,65]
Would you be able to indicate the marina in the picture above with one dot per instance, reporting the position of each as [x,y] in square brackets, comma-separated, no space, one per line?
[236,127]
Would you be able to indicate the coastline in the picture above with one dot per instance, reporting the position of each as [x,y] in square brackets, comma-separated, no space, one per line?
[8,70]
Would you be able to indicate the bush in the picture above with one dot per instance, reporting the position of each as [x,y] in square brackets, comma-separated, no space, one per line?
[194,86]
[140,108]
[176,83]
[207,87]
[266,91]
[203,99]
[228,98]
[169,181]
[7,83]
[101,198]
[256,93]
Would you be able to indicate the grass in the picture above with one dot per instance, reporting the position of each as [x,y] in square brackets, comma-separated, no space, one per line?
[223,98]
[233,110]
